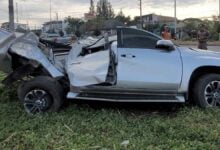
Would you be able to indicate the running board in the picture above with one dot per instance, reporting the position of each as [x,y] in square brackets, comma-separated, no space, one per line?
[128,98]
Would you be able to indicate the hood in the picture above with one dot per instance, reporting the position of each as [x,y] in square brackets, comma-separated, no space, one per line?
[6,40]
[205,51]
[200,52]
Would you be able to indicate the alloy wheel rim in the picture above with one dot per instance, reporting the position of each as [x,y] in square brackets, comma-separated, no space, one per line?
[212,94]
[37,101]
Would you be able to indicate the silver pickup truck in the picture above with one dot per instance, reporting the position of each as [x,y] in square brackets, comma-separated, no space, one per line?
[132,66]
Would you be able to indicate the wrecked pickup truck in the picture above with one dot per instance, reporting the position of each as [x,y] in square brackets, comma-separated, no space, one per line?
[132,66]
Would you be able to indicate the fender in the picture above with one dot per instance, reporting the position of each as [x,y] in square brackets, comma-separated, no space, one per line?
[18,74]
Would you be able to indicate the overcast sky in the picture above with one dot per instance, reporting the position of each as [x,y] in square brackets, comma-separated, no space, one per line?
[35,12]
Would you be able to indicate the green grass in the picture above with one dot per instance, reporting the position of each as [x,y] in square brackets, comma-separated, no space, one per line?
[81,126]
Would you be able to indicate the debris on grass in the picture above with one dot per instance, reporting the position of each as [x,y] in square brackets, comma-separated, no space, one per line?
[125,143]
[67,127]
[8,139]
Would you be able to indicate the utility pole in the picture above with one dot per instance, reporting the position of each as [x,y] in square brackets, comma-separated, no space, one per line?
[11,15]
[57,16]
[17,15]
[50,16]
[141,16]
[175,18]
[219,18]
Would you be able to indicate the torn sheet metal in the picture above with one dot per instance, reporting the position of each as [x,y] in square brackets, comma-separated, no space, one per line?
[27,46]
[95,42]
[6,39]
[88,70]
[102,41]
[87,41]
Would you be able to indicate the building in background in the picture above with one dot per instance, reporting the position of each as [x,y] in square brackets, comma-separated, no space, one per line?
[91,14]
[157,19]
[54,27]
[19,27]
[155,23]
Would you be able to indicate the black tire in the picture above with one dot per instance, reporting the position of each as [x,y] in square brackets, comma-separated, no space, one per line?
[52,95]
[206,92]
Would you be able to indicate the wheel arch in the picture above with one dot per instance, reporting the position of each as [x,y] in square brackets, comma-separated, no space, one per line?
[22,67]
[48,85]
[197,73]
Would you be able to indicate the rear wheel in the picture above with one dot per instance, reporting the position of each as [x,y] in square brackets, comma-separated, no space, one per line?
[40,95]
[207,91]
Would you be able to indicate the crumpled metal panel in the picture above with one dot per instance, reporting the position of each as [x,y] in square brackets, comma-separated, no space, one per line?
[87,41]
[27,46]
[87,70]
[103,41]
[6,39]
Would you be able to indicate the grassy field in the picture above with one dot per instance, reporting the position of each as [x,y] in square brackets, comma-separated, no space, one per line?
[103,126]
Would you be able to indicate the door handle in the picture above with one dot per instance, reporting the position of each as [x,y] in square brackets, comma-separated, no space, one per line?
[123,55]
[128,56]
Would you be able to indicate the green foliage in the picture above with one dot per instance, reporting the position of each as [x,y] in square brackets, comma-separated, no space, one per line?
[73,24]
[104,10]
[214,29]
[82,126]
[122,18]
[192,25]
[2,76]
[7,93]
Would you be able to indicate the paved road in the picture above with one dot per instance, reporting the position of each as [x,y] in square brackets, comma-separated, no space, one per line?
[215,48]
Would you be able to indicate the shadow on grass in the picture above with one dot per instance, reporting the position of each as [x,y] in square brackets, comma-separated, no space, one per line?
[9,94]
[136,109]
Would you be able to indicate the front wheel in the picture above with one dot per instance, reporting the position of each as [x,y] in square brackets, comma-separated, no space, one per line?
[207,91]
[40,95]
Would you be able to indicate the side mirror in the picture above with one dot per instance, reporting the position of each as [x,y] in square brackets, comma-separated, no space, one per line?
[165,44]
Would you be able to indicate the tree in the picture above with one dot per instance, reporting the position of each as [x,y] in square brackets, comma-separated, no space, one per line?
[217,24]
[73,24]
[213,28]
[192,26]
[122,18]
[92,8]
[104,10]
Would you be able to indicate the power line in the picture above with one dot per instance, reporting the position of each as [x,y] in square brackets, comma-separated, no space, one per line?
[175,18]
[17,15]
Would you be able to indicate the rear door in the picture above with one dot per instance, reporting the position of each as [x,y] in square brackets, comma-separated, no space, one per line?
[142,66]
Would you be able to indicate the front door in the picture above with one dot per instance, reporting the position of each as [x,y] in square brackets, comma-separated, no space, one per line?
[142,66]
